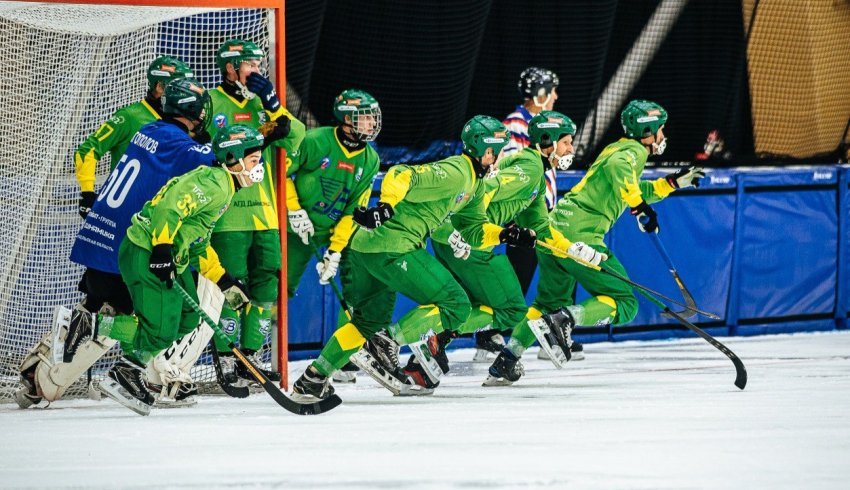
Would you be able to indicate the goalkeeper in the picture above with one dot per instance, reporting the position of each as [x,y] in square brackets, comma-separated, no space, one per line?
[170,231]
[389,256]
[586,214]
[330,177]
[515,194]
[247,237]
[157,152]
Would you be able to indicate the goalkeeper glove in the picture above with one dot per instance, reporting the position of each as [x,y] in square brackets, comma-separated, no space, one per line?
[235,291]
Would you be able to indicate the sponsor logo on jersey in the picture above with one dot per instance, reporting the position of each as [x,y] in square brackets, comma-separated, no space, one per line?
[460,197]
[325,162]
[533,195]
[220,120]
[222,210]
[348,167]
[261,115]
[242,116]
[265,326]
[359,174]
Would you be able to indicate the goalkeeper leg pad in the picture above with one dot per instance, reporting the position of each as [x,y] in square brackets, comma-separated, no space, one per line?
[52,376]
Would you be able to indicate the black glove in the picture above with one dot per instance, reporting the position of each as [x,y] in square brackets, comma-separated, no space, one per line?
[235,291]
[647,218]
[518,237]
[201,135]
[280,130]
[264,89]
[162,264]
[371,218]
[87,199]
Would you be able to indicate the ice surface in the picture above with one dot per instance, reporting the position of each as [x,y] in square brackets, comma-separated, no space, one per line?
[633,415]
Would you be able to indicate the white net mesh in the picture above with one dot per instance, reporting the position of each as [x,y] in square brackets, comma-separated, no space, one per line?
[69,67]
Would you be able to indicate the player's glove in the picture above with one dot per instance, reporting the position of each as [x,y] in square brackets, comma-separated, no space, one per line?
[518,237]
[301,225]
[235,291]
[460,248]
[87,199]
[371,218]
[585,252]
[261,86]
[162,264]
[201,135]
[647,218]
[328,266]
[275,130]
[686,177]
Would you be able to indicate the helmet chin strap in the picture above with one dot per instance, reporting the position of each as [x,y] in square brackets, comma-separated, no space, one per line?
[543,105]
[658,148]
[561,162]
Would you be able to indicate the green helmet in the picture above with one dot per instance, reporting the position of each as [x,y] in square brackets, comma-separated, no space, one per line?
[482,132]
[232,143]
[187,97]
[235,51]
[356,104]
[642,118]
[165,69]
[546,128]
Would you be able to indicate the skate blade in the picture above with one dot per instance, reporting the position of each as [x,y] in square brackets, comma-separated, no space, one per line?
[493,381]
[414,390]
[344,377]
[172,403]
[554,353]
[24,400]
[482,355]
[577,356]
[112,389]
[370,366]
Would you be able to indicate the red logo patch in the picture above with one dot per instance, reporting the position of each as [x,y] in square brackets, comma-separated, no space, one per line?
[345,166]
[242,116]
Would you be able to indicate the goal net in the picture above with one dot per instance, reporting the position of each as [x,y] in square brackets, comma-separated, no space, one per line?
[69,68]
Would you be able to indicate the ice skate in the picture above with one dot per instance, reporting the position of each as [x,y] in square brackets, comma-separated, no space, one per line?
[125,384]
[505,371]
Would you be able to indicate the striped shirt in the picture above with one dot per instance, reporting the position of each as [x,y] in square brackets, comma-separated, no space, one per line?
[517,124]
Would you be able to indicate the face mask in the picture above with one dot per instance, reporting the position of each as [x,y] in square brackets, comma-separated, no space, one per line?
[561,162]
[247,178]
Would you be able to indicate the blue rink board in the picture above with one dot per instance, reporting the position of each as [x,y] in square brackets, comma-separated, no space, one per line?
[767,249]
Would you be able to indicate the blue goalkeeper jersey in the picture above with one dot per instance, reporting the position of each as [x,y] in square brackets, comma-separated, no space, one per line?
[158,152]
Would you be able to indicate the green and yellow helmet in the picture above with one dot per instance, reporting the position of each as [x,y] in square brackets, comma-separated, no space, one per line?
[233,142]
[165,69]
[235,51]
[547,127]
[187,97]
[357,103]
[642,118]
[482,132]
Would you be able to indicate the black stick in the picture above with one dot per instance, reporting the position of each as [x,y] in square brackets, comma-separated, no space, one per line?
[690,308]
[229,389]
[278,396]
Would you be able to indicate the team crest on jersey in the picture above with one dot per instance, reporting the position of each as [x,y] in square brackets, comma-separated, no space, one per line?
[325,162]
[228,325]
[220,120]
